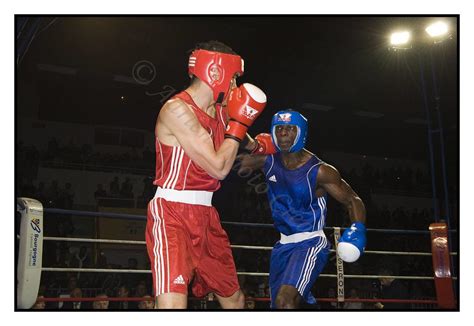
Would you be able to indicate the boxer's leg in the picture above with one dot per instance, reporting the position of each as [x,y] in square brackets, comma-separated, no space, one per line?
[288,297]
[307,260]
[172,301]
[167,246]
[235,301]
[216,270]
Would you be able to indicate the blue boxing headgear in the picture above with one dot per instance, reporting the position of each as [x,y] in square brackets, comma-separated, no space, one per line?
[289,117]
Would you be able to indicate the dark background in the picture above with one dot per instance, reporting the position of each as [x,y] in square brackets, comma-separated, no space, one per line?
[359,97]
[337,61]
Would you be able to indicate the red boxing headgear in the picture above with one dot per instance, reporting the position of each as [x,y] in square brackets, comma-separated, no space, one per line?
[215,69]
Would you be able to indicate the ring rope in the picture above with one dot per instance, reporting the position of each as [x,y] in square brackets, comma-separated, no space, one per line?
[135,299]
[143,217]
[131,242]
[415,301]
[134,242]
[146,271]
[95,270]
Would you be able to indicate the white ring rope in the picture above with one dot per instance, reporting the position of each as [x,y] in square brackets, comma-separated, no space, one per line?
[146,271]
[132,242]
[95,270]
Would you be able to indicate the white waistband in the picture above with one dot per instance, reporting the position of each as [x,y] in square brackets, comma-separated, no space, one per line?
[298,237]
[195,197]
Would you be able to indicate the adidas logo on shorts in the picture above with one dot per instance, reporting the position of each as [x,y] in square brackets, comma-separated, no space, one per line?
[179,280]
[273,178]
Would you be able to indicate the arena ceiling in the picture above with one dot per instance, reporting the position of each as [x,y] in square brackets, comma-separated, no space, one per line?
[338,70]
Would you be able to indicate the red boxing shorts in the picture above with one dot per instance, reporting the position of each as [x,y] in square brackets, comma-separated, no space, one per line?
[186,241]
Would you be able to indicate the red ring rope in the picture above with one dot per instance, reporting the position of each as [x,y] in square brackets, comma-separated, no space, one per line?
[248,298]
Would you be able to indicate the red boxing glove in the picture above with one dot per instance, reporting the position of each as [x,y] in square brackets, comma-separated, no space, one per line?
[245,104]
[264,146]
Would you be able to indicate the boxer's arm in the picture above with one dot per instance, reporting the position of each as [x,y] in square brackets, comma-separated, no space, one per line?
[254,161]
[249,163]
[183,125]
[250,143]
[330,179]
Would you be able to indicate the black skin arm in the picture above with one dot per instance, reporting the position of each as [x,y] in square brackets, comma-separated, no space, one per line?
[249,162]
[330,180]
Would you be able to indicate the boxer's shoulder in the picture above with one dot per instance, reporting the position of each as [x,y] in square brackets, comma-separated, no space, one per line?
[328,173]
[173,109]
[176,113]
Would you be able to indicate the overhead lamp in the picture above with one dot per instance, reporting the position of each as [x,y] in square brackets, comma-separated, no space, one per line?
[437,29]
[400,40]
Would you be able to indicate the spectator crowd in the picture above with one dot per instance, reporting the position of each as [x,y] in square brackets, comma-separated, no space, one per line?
[241,199]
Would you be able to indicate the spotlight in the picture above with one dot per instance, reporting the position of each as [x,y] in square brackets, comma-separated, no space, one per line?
[438,31]
[400,40]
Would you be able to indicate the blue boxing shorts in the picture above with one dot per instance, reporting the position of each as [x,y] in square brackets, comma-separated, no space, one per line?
[298,265]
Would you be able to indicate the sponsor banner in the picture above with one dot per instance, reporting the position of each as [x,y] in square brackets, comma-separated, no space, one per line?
[34,243]
[339,268]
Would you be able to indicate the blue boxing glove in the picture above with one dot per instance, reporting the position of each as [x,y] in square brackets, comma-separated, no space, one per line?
[352,243]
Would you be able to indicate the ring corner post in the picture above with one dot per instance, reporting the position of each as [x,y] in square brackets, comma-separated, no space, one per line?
[30,251]
[442,266]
